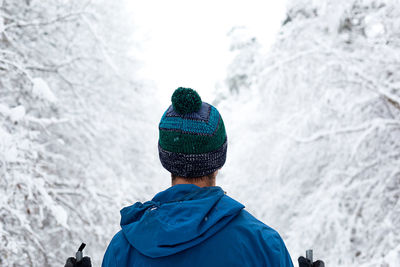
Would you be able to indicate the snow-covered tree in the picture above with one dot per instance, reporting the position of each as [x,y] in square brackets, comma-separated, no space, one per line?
[74,131]
[316,131]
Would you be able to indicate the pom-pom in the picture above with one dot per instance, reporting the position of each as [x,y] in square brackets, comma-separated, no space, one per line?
[186,100]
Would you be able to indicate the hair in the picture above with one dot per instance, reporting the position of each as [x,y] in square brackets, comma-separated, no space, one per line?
[208,179]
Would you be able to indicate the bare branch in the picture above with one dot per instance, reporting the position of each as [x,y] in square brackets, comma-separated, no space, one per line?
[66,17]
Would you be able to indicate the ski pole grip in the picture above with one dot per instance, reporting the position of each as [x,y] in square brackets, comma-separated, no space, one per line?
[79,253]
[309,255]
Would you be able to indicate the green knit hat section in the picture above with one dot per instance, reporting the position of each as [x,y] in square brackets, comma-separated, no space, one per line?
[187,143]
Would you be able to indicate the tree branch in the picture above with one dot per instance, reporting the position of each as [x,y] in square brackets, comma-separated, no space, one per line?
[365,126]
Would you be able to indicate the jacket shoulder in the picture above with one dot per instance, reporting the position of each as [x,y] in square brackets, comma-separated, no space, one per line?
[110,258]
[251,225]
[259,239]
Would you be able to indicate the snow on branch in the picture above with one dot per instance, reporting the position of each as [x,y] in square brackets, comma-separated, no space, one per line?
[367,126]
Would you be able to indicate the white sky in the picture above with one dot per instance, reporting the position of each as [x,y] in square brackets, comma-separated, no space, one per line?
[185,43]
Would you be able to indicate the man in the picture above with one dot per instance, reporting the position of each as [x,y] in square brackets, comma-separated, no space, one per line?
[193,223]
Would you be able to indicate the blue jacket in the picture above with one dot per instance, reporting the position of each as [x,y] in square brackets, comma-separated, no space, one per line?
[186,225]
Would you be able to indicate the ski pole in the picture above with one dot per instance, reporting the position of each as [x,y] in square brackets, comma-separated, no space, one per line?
[309,255]
[79,254]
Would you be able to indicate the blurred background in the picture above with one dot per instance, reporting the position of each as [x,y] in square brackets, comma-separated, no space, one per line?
[308,90]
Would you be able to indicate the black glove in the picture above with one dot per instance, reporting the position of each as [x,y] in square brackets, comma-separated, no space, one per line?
[303,262]
[85,262]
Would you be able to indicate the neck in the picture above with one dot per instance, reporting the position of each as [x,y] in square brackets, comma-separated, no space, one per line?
[199,183]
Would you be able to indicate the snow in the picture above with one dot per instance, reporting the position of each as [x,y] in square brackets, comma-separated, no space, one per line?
[4,109]
[393,257]
[42,90]
[10,154]
[374,30]
[59,213]
[374,26]
[8,149]
[1,23]
[17,113]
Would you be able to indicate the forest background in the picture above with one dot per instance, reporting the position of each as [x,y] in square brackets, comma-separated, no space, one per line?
[313,120]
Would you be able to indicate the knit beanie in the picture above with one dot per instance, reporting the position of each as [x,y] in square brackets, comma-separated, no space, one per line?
[192,138]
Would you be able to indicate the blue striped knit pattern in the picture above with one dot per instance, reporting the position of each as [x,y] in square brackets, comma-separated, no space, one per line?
[190,124]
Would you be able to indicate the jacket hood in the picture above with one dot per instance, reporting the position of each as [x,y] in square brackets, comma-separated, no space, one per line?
[176,219]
